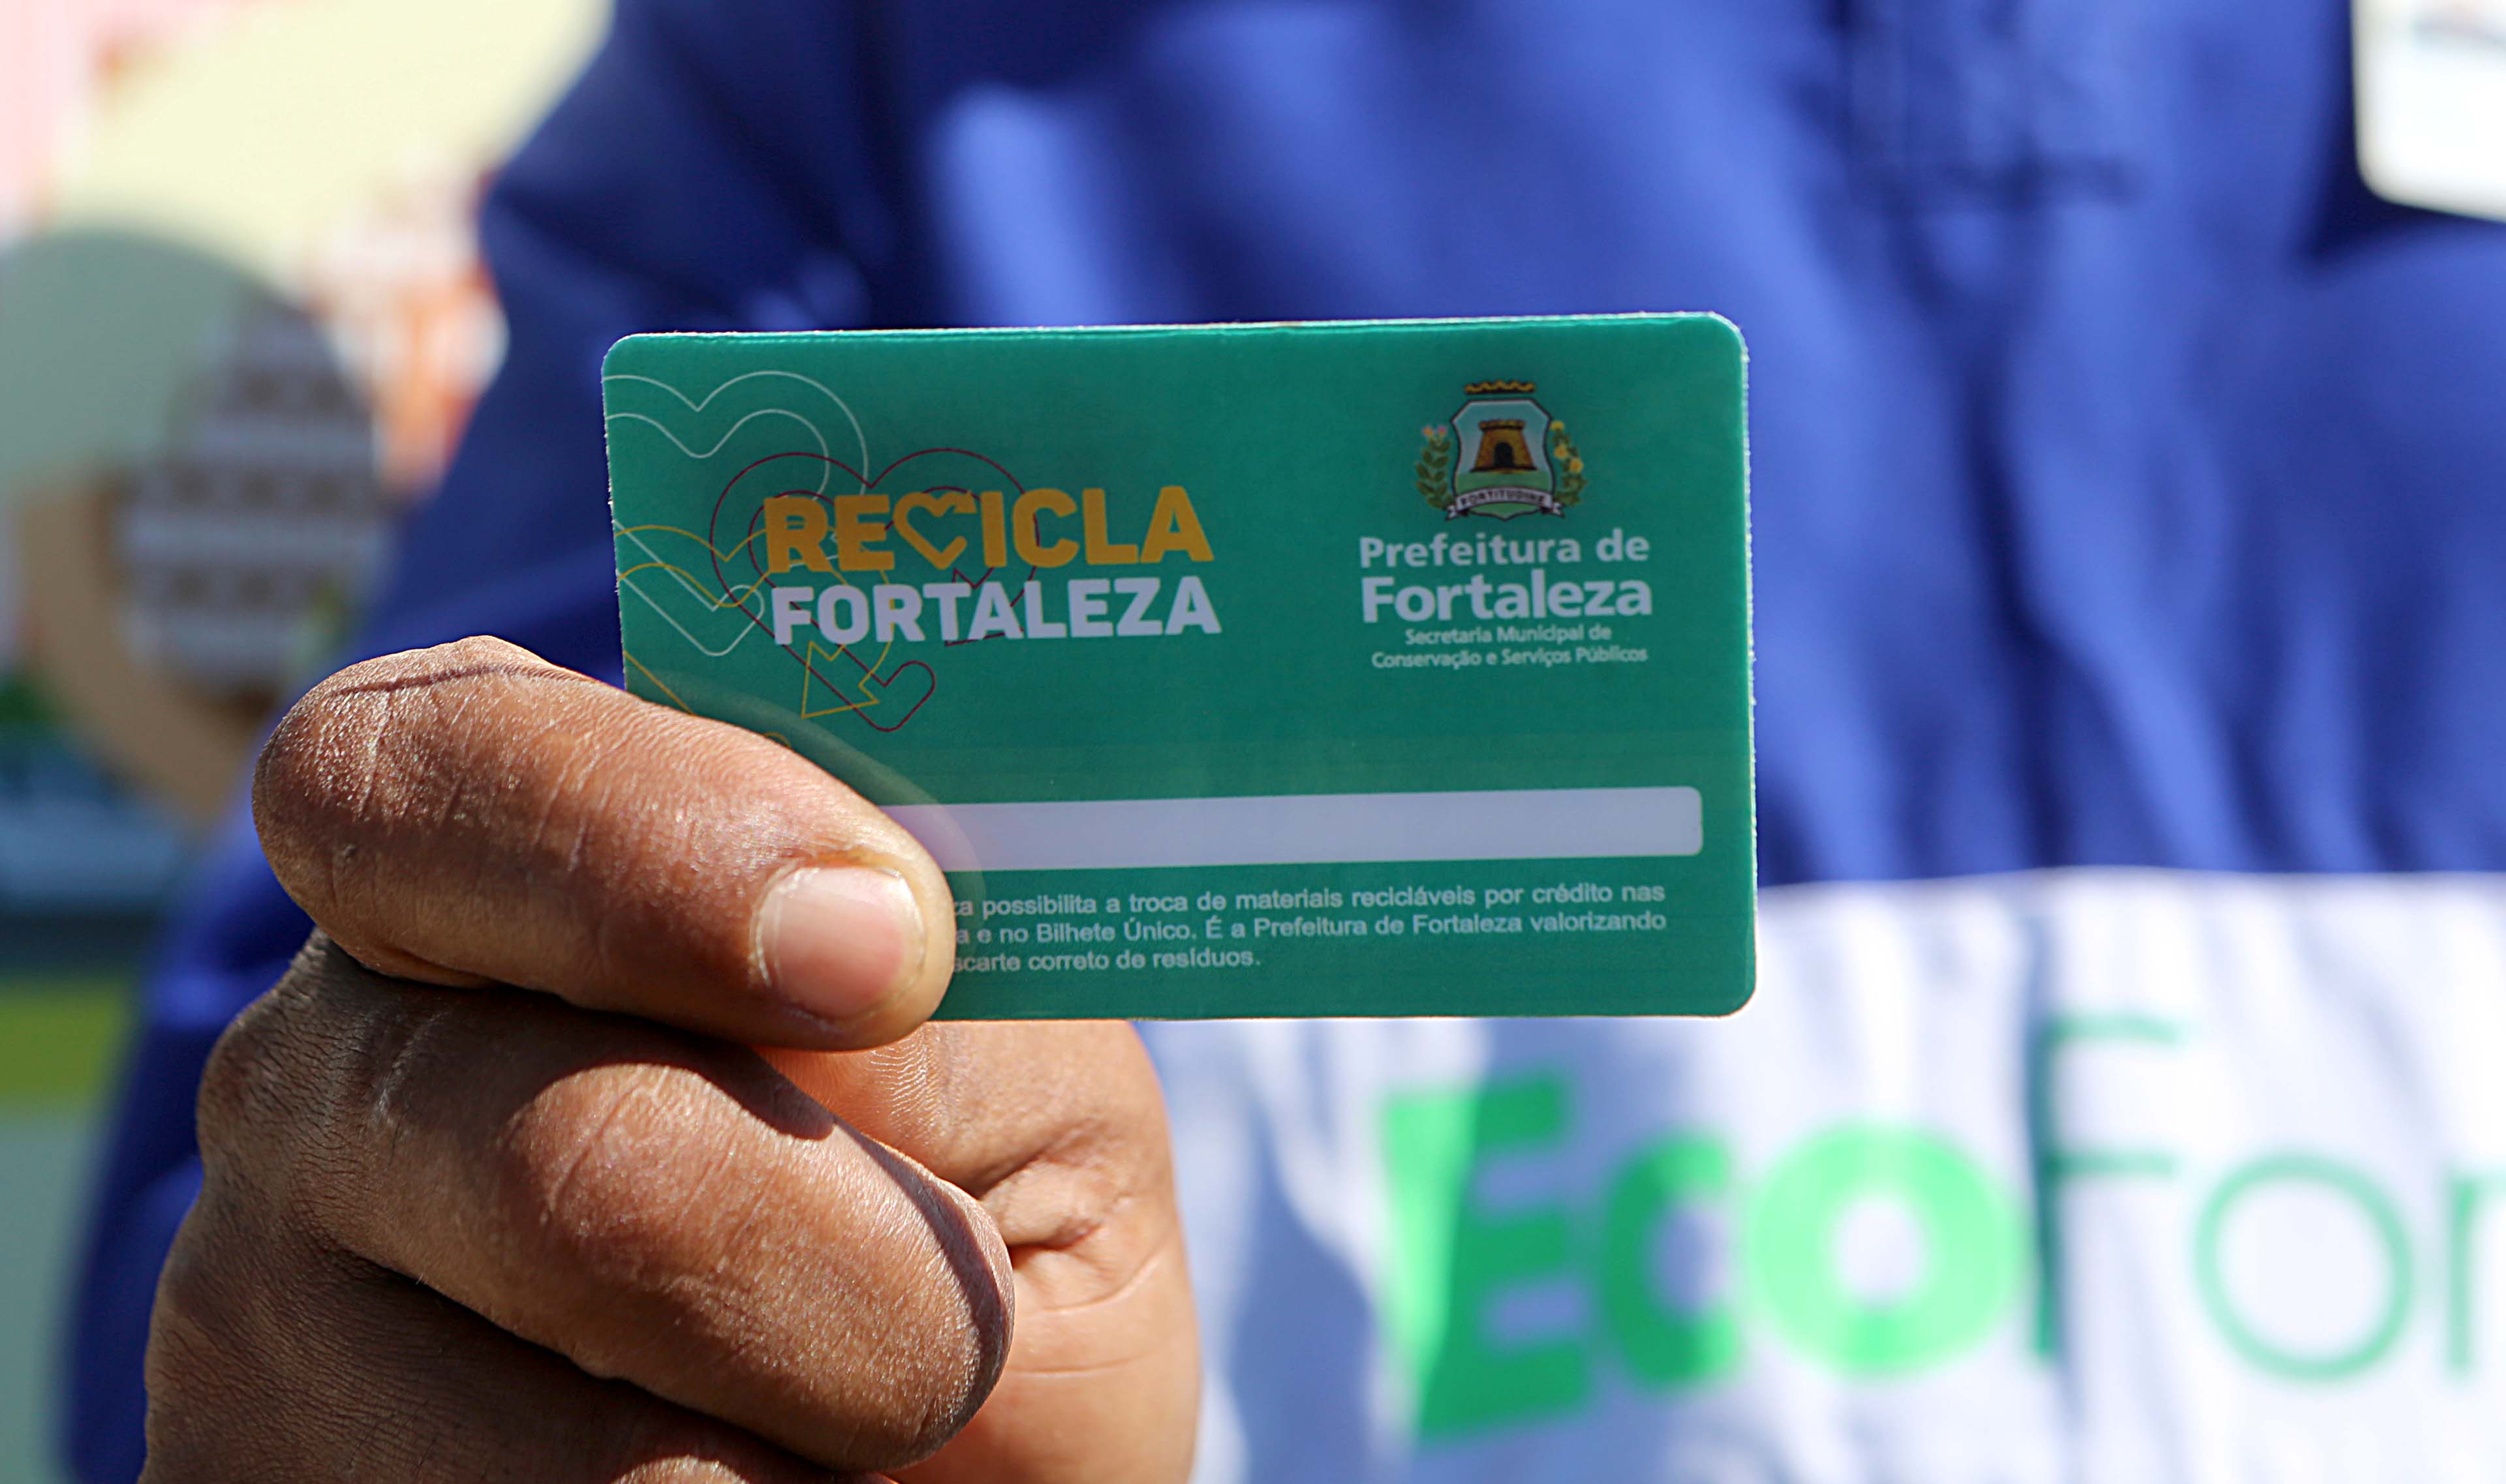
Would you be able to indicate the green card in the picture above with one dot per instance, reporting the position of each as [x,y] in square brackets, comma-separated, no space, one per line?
[1370,668]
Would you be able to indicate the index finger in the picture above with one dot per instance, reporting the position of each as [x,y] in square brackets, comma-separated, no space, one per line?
[471,814]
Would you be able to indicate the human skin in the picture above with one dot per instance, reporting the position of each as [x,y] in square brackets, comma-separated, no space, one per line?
[598,1133]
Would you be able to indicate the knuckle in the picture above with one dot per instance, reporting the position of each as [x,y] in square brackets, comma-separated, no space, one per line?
[268,1069]
[628,1186]
[245,1085]
[366,752]
[596,1169]
[309,748]
[319,765]
[228,1085]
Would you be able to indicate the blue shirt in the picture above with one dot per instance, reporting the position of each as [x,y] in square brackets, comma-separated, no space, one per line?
[2127,478]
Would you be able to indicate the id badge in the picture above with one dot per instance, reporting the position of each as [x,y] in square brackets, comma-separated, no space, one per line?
[1393,668]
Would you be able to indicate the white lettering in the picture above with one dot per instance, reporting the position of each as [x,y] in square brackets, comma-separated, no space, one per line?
[852,630]
[1192,609]
[1087,599]
[896,609]
[994,617]
[946,595]
[1135,623]
[790,611]
[1036,626]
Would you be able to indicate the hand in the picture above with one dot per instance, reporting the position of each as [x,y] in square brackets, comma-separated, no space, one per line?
[498,1189]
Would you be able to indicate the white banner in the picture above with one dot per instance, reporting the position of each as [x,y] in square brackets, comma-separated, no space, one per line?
[2112,1176]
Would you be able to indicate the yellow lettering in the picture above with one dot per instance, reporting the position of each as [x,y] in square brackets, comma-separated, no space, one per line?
[795,526]
[1029,533]
[1173,527]
[857,535]
[954,502]
[996,539]
[1101,552]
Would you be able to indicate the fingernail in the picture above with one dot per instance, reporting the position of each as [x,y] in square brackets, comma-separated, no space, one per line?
[839,940]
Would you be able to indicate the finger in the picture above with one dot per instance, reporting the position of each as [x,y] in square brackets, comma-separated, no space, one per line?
[1102,1385]
[472,814]
[274,1361]
[1060,1130]
[659,1209]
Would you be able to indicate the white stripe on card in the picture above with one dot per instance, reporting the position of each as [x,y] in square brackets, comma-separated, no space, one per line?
[1311,829]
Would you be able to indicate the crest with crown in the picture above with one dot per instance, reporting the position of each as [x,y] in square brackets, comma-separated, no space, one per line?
[1500,456]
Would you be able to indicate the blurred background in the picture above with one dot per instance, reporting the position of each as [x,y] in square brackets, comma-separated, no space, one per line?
[241,319]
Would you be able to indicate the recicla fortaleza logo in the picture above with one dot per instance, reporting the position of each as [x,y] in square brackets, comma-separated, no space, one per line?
[869,531]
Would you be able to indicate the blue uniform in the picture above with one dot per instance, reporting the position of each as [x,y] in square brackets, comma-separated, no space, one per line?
[2128,515]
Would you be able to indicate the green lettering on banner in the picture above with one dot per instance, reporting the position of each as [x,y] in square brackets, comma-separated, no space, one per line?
[2462,1297]
[2331,1175]
[1663,1346]
[1973,1240]
[2056,1166]
[1451,1259]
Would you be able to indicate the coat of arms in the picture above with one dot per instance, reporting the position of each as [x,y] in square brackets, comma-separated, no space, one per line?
[1501,456]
